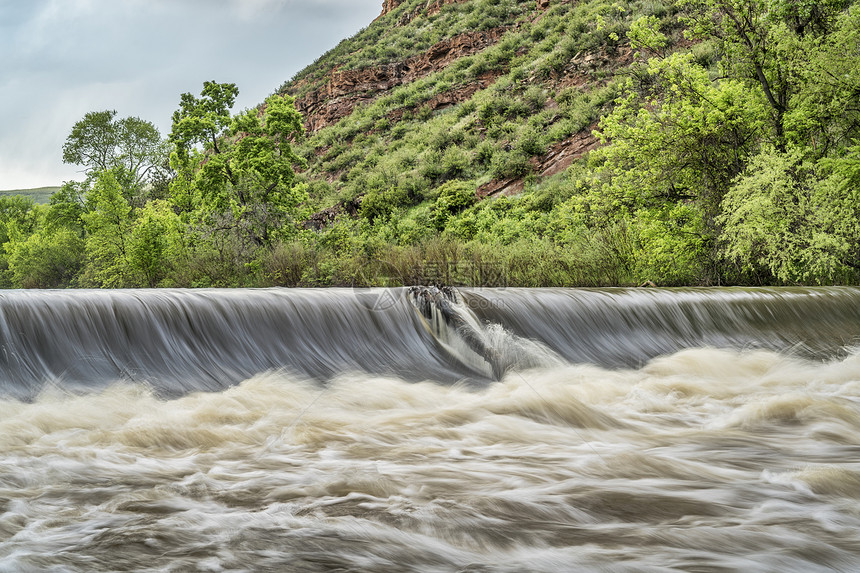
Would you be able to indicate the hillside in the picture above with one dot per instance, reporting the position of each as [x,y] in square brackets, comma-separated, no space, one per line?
[39,195]
[478,99]
[491,143]
[485,90]
[421,125]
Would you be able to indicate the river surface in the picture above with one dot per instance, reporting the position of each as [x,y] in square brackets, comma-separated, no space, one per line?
[510,430]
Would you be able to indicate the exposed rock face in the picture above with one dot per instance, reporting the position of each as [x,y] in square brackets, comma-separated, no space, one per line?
[435,6]
[453,96]
[388,6]
[559,157]
[346,89]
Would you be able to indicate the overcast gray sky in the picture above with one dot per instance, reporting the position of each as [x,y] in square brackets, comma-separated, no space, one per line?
[60,59]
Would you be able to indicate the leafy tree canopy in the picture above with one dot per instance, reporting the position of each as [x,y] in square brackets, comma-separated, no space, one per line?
[243,178]
[101,142]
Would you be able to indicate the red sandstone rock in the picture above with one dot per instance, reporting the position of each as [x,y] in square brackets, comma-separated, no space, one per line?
[349,88]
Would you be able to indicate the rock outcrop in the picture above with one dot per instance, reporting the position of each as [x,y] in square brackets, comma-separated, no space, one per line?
[558,158]
[347,89]
[388,6]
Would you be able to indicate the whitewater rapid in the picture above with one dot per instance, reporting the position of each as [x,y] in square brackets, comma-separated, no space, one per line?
[696,459]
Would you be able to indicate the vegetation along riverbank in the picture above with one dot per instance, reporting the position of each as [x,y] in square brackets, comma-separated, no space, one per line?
[487,143]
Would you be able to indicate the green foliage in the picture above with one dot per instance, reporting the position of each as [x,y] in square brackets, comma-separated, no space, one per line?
[49,258]
[108,224]
[824,114]
[244,179]
[454,197]
[765,44]
[131,147]
[19,217]
[646,37]
[67,206]
[676,141]
[155,243]
[673,246]
[684,139]
[378,204]
[794,220]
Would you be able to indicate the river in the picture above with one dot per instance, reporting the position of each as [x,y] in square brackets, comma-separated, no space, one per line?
[478,430]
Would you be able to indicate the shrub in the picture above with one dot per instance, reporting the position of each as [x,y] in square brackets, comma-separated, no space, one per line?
[454,197]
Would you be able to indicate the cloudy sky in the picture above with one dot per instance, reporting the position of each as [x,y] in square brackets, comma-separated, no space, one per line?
[60,59]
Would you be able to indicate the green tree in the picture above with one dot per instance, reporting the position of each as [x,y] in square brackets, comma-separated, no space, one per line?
[675,142]
[18,215]
[131,147]
[67,206]
[792,214]
[825,111]
[155,243]
[108,224]
[49,258]
[764,43]
[19,218]
[794,220]
[239,171]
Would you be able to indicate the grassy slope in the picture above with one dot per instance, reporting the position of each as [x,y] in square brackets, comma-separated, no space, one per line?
[552,76]
[407,31]
[554,73]
[39,195]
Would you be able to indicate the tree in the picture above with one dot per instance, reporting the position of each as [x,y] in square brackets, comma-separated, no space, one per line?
[49,258]
[793,213]
[66,207]
[766,218]
[794,219]
[108,224]
[19,218]
[155,242]
[764,43]
[131,147]
[675,142]
[243,172]
[825,112]
[18,215]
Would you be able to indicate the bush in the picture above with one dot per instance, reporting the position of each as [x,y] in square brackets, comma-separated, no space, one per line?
[50,260]
[454,197]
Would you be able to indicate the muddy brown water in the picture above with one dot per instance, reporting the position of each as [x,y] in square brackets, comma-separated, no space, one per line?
[340,430]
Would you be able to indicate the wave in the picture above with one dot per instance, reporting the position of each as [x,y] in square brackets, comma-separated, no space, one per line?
[703,459]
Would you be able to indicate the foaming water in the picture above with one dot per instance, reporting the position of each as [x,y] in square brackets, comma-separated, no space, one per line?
[698,459]
[703,460]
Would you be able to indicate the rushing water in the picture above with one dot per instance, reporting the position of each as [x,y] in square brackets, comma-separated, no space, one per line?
[291,430]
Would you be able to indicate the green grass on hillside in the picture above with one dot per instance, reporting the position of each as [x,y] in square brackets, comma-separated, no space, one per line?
[39,195]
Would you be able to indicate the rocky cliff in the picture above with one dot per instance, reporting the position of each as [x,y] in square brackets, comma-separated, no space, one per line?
[344,90]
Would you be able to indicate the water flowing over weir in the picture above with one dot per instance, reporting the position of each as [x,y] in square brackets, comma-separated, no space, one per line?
[180,341]
[431,430]
[628,327]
